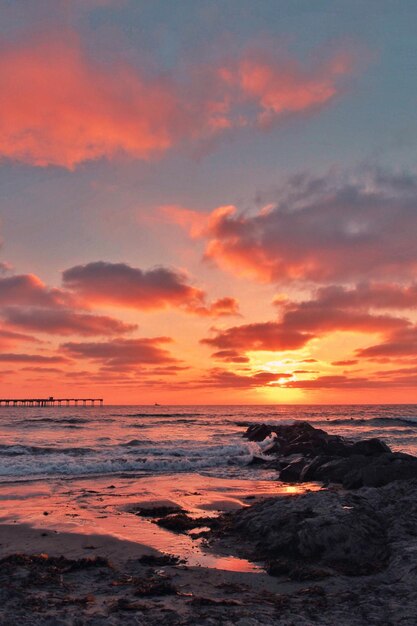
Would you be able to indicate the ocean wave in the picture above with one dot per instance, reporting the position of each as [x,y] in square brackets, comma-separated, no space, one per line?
[134,442]
[166,422]
[157,415]
[54,420]
[384,422]
[22,450]
[372,421]
[85,461]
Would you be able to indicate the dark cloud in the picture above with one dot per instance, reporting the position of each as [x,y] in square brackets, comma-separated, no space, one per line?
[261,336]
[123,353]
[120,284]
[29,290]
[11,357]
[226,379]
[65,322]
[322,230]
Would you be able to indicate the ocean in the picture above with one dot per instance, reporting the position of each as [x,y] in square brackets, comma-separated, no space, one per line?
[57,442]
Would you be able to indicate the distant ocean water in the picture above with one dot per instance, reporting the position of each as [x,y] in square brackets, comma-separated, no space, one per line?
[58,442]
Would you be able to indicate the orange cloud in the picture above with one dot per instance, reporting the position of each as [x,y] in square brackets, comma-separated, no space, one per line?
[401,343]
[60,107]
[354,382]
[300,323]
[219,308]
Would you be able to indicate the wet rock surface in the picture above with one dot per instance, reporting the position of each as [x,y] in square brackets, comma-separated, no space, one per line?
[302,453]
[181,522]
[358,549]
[334,531]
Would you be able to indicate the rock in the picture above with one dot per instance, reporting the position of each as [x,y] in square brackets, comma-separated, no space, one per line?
[257,432]
[387,468]
[181,522]
[155,586]
[259,460]
[319,456]
[331,469]
[370,447]
[325,531]
[156,511]
[160,560]
[292,471]
[357,470]
[297,571]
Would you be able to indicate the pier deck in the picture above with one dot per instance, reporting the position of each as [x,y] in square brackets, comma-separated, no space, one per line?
[50,401]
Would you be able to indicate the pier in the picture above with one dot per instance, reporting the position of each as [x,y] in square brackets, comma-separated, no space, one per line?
[51,401]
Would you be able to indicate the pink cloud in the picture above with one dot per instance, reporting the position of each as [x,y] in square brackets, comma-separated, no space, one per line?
[60,107]
[286,86]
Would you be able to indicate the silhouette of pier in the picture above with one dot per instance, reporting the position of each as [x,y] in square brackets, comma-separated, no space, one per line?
[51,401]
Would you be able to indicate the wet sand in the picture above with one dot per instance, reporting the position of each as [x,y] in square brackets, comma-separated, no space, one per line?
[101,507]
[102,578]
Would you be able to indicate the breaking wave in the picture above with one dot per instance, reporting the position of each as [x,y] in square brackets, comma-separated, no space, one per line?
[32,461]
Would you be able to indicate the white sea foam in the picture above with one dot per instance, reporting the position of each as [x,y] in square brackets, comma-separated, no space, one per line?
[22,461]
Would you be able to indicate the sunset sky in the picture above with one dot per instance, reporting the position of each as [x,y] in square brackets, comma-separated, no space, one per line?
[209,201]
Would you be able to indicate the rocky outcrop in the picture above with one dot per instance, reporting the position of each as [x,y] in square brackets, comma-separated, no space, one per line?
[303,453]
[302,438]
[327,532]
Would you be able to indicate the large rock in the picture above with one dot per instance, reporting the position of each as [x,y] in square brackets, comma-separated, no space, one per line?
[382,470]
[357,470]
[302,438]
[304,453]
[339,531]
[257,432]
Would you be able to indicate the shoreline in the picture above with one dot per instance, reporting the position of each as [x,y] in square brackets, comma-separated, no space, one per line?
[193,549]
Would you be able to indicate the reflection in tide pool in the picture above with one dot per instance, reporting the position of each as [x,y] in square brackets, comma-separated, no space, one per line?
[101,508]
